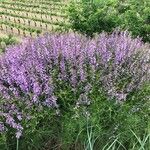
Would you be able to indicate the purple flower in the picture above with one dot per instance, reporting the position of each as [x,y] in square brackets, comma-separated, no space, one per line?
[18,134]
[33,72]
[2,128]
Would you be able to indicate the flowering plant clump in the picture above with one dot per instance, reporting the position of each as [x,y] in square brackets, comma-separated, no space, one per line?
[30,73]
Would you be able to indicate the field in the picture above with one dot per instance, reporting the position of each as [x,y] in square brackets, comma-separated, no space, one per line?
[23,18]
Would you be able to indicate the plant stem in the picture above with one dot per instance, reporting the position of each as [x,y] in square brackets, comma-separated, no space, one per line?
[17,147]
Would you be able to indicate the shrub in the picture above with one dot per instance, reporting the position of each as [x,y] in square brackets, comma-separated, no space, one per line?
[6,41]
[65,73]
[94,17]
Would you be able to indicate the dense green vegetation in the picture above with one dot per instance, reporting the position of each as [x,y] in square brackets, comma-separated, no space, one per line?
[90,17]
[6,41]
[62,90]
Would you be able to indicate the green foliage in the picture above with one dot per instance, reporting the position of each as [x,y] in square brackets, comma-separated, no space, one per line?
[6,41]
[109,125]
[88,19]
[92,17]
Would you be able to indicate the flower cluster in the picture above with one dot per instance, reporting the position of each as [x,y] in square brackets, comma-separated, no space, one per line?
[28,72]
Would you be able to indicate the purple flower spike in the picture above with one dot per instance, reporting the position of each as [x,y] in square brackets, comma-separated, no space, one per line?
[30,73]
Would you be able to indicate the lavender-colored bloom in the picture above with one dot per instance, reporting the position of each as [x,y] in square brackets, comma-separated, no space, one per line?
[51,102]
[83,100]
[87,88]
[19,117]
[2,128]
[30,71]
[18,134]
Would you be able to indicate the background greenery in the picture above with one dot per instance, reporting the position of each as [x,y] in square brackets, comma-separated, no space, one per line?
[90,17]
[6,41]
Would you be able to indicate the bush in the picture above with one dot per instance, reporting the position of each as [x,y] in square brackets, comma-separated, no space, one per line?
[4,42]
[94,17]
[58,85]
